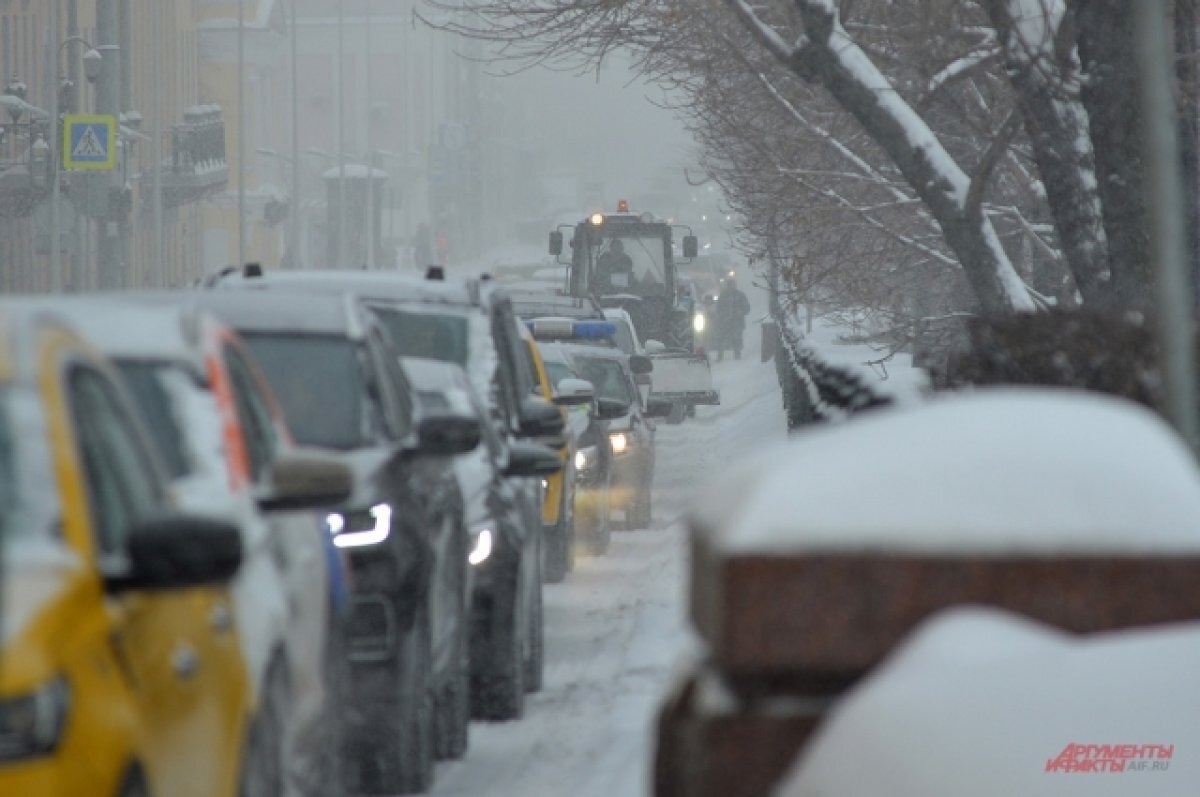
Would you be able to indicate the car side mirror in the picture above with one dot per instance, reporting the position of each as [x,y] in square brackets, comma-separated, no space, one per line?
[573,392]
[556,243]
[180,551]
[528,460]
[540,418]
[658,408]
[303,479]
[690,247]
[640,364]
[448,435]
[610,409]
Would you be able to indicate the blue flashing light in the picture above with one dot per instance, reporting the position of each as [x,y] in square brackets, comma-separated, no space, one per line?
[595,329]
[566,329]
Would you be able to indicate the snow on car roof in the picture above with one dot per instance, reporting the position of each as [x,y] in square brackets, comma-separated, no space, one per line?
[986,703]
[1003,470]
[368,284]
[284,309]
[125,327]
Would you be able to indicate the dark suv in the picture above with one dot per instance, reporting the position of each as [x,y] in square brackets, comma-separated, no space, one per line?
[341,387]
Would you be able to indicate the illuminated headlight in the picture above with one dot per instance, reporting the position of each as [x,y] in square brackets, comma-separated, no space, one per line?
[698,322]
[481,549]
[619,442]
[585,458]
[356,529]
[32,725]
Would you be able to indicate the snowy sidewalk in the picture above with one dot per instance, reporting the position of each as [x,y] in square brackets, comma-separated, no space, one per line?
[616,629]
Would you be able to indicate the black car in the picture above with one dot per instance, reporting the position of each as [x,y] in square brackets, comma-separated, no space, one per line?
[470,323]
[630,434]
[341,387]
[507,644]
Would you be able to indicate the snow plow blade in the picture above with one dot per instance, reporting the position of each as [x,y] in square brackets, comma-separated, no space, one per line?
[683,377]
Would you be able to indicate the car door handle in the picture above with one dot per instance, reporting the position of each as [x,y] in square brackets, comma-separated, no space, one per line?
[220,618]
[185,662]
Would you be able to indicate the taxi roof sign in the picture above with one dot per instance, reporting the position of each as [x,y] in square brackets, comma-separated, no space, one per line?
[90,142]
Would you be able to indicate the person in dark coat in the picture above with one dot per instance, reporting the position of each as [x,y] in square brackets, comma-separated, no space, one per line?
[732,309]
[614,270]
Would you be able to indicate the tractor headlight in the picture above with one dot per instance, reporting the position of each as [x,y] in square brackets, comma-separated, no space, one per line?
[361,527]
[699,322]
[32,725]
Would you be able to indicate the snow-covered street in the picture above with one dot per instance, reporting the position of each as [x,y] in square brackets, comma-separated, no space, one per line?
[616,628]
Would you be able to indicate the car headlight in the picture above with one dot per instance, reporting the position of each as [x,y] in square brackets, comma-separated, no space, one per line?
[619,442]
[481,547]
[361,527]
[32,725]
[698,322]
[585,458]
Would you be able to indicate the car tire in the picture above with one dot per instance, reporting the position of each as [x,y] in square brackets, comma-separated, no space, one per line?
[265,765]
[135,785]
[599,535]
[498,693]
[679,411]
[454,703]
[402,759]
[559,546]
[535,662]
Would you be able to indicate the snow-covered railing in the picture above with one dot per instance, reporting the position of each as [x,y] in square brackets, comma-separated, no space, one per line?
[814,390]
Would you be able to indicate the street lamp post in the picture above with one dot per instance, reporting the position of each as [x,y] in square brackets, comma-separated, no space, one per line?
[370,157]
[294,229]
[241,138]
[91,62]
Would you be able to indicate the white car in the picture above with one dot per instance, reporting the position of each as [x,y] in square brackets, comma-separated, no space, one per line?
[218,429]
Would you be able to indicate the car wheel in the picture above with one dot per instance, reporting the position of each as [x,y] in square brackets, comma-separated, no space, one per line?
[536,660]
[266,754]
[454,709]
[560,558]
[645,509]
[599,535]
[402,759]
[135,785]
[678,413]
[499,689]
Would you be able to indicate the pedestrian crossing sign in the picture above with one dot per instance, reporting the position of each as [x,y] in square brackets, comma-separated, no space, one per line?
[90,142]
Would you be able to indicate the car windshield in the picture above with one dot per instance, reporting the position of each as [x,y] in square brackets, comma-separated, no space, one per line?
[435,336]
[624,336]
[320,384]
[145,381]
[647,255]
[557,372]
[606,376]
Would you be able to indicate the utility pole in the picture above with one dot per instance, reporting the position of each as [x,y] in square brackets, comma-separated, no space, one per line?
[241,134]
[294,228]
[341,135]
[110,268]
[1165,201]
[56,281]
[370,182]
[160,240]
[79,249]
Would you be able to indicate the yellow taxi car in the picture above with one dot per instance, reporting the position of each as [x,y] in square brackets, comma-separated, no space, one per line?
[120,668]
[558,504]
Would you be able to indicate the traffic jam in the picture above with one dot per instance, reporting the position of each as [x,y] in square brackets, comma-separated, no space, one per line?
[287,531]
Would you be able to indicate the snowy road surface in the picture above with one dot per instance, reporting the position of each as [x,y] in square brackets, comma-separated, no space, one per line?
[615,629]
